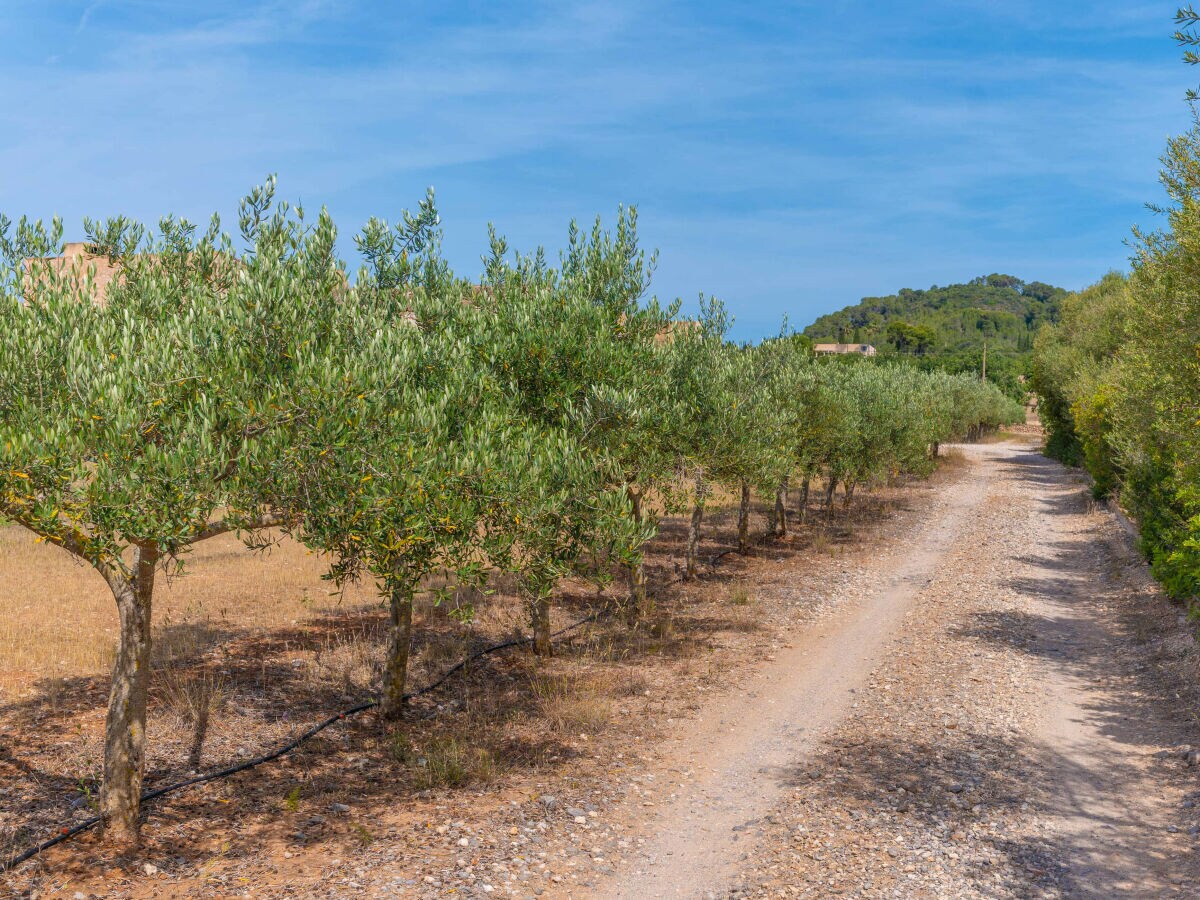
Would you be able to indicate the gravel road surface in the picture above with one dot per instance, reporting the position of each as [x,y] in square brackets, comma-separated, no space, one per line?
[1004,710]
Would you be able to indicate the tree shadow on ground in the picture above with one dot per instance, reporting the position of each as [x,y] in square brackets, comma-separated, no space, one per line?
[280,680]
[948,786]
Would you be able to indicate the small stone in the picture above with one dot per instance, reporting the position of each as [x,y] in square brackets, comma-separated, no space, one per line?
[150,868]
[463,842]
[955,787]
[575,812]
[340,808]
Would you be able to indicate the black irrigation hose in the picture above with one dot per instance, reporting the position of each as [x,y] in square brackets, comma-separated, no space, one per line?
[66,833]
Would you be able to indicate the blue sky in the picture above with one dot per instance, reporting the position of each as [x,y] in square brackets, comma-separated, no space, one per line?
[787,157]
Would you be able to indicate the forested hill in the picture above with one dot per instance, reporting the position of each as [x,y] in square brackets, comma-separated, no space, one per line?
[1002,310]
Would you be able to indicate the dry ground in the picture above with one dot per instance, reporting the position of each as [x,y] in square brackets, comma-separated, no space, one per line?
[968,687]
[284,652]
[1009,711]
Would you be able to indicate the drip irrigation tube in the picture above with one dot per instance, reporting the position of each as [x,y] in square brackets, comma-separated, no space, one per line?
[69,832]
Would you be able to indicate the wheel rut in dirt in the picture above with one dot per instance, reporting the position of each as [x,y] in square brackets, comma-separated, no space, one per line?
[997,716]
[744,753]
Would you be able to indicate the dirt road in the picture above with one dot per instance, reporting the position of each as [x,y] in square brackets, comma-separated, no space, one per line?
[977,693]
[1004,712]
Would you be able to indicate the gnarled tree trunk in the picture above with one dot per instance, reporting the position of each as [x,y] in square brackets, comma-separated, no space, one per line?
[125,725]
[693,539]
[829,490]
[804,498]
[395,668]
[539,612]
[781,524]
[744,519]
[639,601]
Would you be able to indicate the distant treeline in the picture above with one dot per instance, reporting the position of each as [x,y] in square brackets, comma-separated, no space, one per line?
[948,327]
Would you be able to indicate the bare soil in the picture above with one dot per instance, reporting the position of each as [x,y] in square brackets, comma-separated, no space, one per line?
[964,687]
[1015,722]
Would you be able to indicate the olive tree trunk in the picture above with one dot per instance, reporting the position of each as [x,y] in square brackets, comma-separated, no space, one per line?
[395,669]
[125,725]
[693,539]
[639,600]
[744,519]
[540,614]
[804,498]
[781,524]
[829,490]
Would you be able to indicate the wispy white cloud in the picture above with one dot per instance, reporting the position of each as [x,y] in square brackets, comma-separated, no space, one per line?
[768,144]
[87,14]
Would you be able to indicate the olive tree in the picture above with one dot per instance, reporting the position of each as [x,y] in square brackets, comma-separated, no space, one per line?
[389,475]
[130,428]
[582,355]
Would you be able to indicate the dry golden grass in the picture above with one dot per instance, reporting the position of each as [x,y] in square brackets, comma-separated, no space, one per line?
[952,457]
[739,593]
[353,660]
[570,705]
[58,620]
[194,698]
[822,542]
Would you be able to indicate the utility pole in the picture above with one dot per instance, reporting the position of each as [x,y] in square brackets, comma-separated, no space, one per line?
[983,377]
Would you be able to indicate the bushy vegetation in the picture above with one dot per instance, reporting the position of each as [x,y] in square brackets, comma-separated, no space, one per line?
[1119,377]
[406,421]
[1119,380]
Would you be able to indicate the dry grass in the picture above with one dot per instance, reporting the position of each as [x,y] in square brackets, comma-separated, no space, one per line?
[739,593]
[822,542]
[444,761]
[575,704]
[353,660]
[952,457]
[193,698]
[58,620]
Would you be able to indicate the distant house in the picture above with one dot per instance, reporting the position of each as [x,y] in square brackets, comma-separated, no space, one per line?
[72,269]
[672,330]
[76,260]
[833,349]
